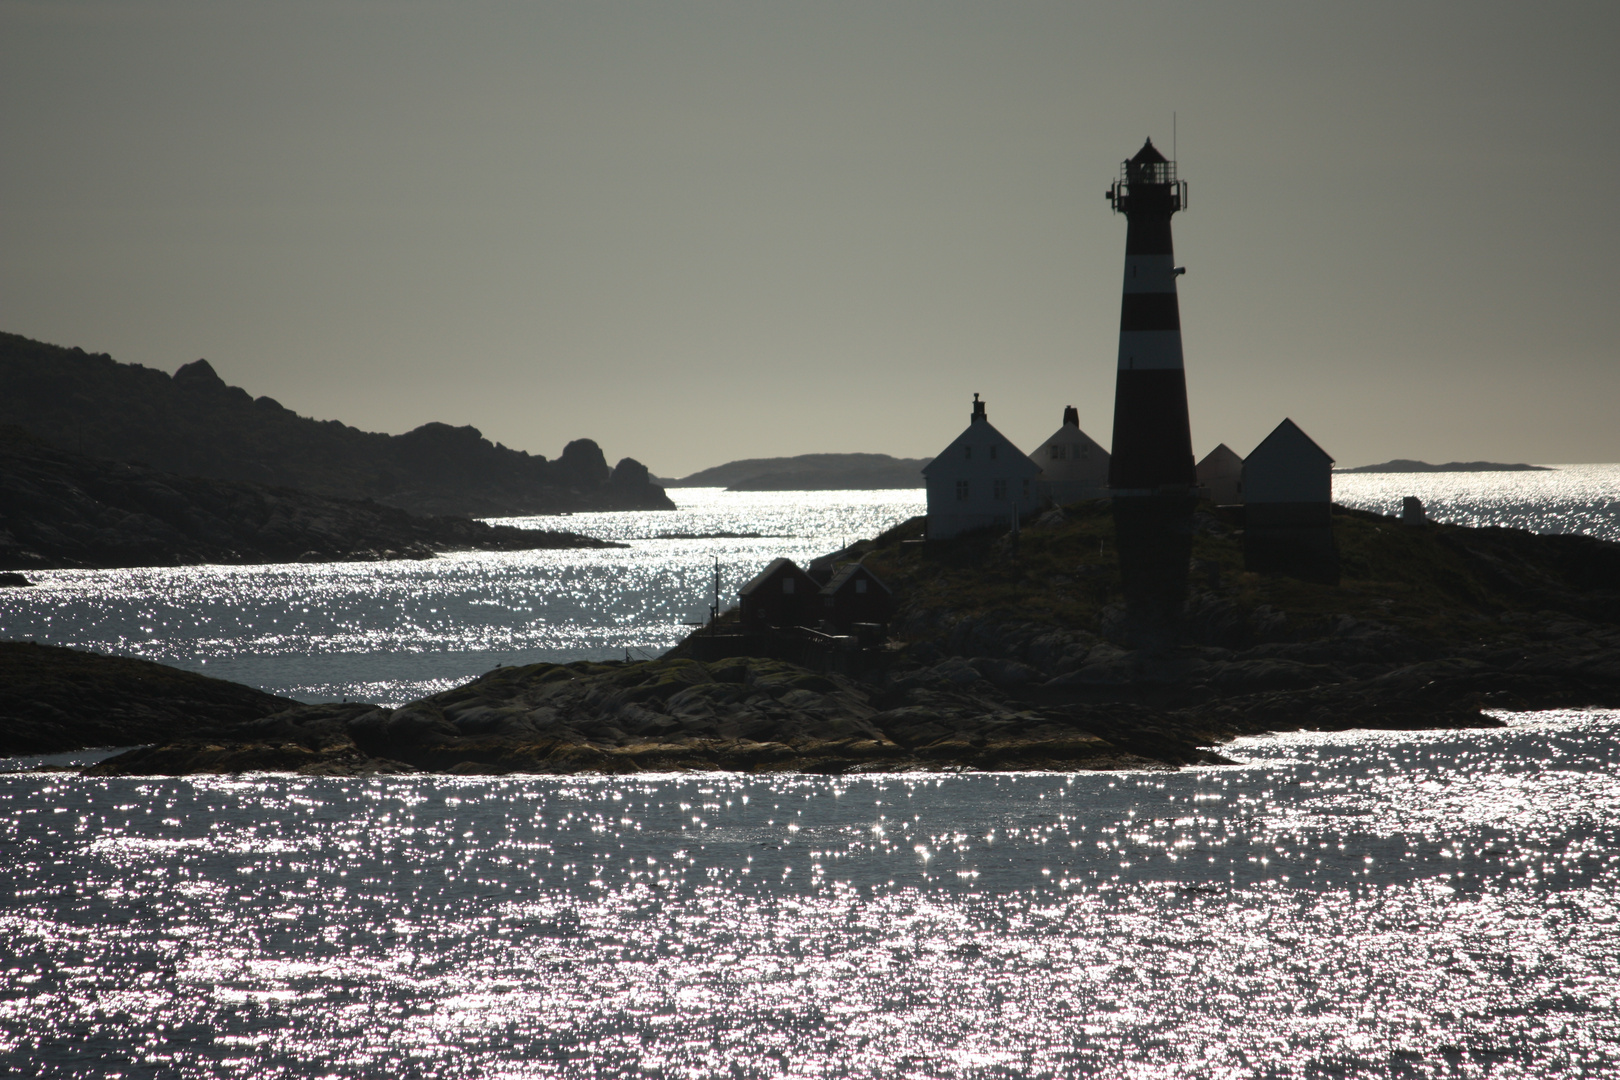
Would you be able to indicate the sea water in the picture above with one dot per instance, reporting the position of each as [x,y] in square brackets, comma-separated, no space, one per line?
[1348,904]
[392,632]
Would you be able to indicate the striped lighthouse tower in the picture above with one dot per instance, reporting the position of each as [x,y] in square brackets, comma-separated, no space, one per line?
[1152,438]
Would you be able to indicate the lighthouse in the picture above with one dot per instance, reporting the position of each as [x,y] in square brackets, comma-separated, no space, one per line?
[1152,438]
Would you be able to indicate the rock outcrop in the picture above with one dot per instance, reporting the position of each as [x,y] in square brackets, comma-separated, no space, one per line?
[54,700]
[59,509]
[194,424]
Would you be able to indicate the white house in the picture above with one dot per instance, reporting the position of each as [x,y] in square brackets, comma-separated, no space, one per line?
[1073,465]
[981,479]
[1221,474]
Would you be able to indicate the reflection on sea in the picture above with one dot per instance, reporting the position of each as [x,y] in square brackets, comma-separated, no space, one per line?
[391,632]
[1351,904]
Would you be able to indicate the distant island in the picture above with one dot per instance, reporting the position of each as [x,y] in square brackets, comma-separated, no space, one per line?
[193,424]
[61,510]
[1405,465]
[810,472]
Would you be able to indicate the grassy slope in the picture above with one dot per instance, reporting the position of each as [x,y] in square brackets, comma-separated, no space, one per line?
[1432,582]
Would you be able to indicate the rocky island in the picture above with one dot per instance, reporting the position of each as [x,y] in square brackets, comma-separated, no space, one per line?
[59,509]
[1006,653]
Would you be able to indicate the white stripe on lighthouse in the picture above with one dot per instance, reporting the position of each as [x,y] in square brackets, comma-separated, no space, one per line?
[1150,273]
[1150,350]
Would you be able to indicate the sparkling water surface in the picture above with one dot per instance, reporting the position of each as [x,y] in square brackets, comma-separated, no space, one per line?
[1347,904]
[393,632]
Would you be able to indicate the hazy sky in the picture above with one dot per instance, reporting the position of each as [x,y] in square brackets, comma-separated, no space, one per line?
[704,231]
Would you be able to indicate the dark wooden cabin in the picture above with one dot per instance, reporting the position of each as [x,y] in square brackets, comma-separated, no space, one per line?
[855,595]
[780,595]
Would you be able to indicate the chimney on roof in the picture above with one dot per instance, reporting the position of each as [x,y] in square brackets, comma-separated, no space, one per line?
[1071,416]
[978,411]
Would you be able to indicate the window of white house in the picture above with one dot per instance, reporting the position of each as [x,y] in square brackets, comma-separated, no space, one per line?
[998,489]
[993,449]
[967,452]
[787,585]
[1026,489]
[1058,453]
[961,491]
[860,584]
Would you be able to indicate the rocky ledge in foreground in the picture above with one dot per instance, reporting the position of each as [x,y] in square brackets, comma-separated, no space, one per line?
[59,509]
[743,714]
[53,700]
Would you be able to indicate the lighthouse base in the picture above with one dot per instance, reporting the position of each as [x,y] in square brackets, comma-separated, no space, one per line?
[1154,534]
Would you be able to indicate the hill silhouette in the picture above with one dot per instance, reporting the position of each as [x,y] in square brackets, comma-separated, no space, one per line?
[810,472]
[192,423]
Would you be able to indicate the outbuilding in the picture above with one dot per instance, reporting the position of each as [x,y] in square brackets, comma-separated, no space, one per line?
[1074,466]
[855,595]
[780,595]
[1288,506]
[981,479]
[1221,474]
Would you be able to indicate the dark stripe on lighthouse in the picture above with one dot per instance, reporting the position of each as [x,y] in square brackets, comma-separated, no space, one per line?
[1149,311]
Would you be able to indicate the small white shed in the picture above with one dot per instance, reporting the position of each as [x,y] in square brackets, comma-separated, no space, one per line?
[980,479]
[1221,474]
[1074,466]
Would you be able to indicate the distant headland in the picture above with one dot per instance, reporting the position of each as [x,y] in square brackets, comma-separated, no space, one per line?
[193,424]
[61,510]
[1406,465]
[810,472]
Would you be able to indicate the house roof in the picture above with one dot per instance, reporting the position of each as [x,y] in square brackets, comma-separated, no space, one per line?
[1068,435]
[848,572]
[775,567]
[982,433]
[1288,431]
[1221,455]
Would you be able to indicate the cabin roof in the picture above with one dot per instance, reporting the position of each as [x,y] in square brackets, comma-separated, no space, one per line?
[1224,453]
[1068,435]
[1288,430]
[849,572]
[775,567]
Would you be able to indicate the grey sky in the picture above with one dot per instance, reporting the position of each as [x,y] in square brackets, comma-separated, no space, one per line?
[704,231]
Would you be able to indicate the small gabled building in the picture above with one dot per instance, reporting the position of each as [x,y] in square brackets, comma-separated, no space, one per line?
[981,479]
[1221,474]
[1288,506]
[855,595]
[779,595]
[1074,466]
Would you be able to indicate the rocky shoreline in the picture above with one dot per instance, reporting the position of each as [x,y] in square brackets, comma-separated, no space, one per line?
[1005,655]
[63,510]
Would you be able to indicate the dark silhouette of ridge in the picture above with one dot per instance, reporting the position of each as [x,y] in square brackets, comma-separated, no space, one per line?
[1407,465]
[810,472]
[192,423]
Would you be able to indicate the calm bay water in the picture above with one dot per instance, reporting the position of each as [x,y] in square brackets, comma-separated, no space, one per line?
[1348,904]
[1353,904]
